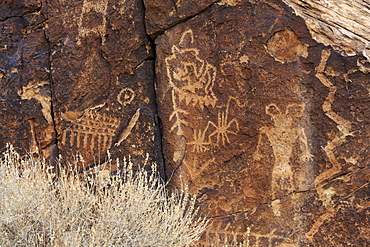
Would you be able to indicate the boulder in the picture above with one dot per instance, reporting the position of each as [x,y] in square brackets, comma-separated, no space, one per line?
[77,78]
[25,83]
[266,125]
[260,106]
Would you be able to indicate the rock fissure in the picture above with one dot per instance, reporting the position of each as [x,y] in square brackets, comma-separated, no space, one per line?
[21,15]
[54,149]
[181,20]
[157,119]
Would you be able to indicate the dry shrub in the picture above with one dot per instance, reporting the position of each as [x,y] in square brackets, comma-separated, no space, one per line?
[38,208]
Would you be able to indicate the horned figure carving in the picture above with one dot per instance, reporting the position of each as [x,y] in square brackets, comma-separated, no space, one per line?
[282,137]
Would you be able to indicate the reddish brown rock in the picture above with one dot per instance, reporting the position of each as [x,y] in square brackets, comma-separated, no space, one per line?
[163,14]
[260,120]
[77,77]
[102,68]
[25,93]
[268,127]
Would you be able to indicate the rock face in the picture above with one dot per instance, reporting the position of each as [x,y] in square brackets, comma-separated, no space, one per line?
[102,67]
[25,91]
[78,77]
[259,119]
[267,126]
[342,24]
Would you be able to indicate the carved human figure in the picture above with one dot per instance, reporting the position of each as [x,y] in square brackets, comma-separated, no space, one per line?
[282,136]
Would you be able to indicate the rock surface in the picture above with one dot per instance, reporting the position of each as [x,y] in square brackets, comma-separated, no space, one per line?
[344,25]
[78,77]
[25,90]
[102,68]
[267,126]
[259,119]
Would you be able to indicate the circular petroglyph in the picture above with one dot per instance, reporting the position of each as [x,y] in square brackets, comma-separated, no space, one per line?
[126,96]
[285,46]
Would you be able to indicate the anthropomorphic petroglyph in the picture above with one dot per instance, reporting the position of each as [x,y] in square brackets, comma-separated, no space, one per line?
[92,9]
[203,139]
[282,137]
[191,80]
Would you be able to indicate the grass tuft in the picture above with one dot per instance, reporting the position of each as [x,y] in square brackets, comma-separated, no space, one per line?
[131,208]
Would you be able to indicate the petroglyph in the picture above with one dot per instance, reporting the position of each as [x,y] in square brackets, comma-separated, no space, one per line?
[219,136]
[199,143]
[282,137]
[40,91]
[126,132]
[91,130]
[286,47]
[126,96]
[343,125]
[361,63]
[95,131]
[326,197]
[191,79]
[177,115]
[223,126]
[37,91]
[92,9]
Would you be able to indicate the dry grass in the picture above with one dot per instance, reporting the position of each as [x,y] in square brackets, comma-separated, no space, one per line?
[37,208]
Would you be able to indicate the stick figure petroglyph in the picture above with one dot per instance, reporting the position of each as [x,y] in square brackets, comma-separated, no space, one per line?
[200,144]
[220,134]
[223,126]
[282,137]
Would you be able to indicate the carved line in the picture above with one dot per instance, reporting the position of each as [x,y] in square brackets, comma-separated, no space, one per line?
[126,132]
[222,127]
[97,128]
[177,115]
[343,125]
[220,237]
[204,73]
[221,131]
[200,145]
